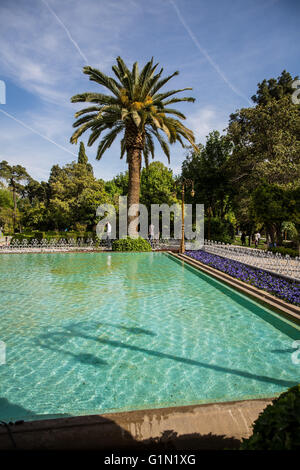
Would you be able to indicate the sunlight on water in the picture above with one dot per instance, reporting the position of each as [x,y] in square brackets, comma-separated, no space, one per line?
[99,332]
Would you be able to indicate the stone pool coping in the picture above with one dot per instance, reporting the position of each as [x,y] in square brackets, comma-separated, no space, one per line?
[208,426]
[289,311]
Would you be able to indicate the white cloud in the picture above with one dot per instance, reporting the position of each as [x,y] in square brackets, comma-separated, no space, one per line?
[205,120]
[38,55]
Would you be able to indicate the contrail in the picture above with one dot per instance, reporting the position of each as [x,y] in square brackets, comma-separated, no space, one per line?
[67,31]
[36,132]
[205,53]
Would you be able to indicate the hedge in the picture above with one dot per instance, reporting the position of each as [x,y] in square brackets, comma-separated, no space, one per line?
[278,426]
[131,244]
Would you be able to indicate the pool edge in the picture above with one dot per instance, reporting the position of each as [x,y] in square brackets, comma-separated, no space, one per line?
[207,426]
[289,311]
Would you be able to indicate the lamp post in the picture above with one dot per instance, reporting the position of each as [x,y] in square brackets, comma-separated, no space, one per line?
[184,182]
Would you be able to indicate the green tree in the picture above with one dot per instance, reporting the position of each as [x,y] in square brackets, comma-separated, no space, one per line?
[273,205]
[136,109]
[208,168]
[266,143]
[266,149]
[274,88]
[14,176]
[75,196]
[83,159]
[6,209]
[157,185]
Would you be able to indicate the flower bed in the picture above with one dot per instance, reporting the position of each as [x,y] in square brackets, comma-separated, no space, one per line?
[282,288]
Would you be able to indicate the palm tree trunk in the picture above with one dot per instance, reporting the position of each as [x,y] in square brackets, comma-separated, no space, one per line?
[134,164]
[134,146]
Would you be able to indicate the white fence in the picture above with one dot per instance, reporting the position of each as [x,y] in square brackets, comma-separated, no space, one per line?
[273,262]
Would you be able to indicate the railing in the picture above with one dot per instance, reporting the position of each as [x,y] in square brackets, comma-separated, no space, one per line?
[71,244]
[273,262]
[54,244]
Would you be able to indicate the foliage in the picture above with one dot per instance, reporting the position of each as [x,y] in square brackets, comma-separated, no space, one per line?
[290,229]
[157,185]
[75,195]
[266,157]
[6,199]
[118,185]
[266,143]
[248,178]
[208,168]
[273,205]
[14,176]
[278,426]
[131,244]
[83,159]
[285,251]
[220,230]
[136,110]
[274,88]
[134,99]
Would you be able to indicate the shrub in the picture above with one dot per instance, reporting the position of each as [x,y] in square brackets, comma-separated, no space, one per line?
[284,251]
[220,230]
[21,237]
[39,235]
[278,426]
[131,244]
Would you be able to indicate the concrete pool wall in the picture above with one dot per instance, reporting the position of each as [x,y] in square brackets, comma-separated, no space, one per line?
[210,426]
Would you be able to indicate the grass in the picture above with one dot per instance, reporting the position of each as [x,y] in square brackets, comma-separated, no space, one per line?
[261,246]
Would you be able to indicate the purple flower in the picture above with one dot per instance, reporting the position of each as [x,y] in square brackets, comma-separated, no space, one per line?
[275,285]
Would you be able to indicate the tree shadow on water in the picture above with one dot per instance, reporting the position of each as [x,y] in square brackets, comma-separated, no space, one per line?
[131,329]
[78,330]
[84,358]
[12,412]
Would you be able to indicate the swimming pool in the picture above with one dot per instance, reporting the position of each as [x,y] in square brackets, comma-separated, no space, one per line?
[95,332]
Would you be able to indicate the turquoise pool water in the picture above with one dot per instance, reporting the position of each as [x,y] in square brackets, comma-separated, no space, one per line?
[90,332]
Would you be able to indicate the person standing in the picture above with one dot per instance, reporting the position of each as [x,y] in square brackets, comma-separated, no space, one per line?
[243,238]
[151,233]
[108,234]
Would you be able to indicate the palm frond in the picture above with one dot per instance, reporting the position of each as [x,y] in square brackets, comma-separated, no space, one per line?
[99,77]
[162,82]
[161,96]
[94,98]
[107,140]
[135,99]
[150,143]
[82,120]
[123,147]
[125,76]
[178,100]
[175,112]
[162,143]
[135,73]
[87,110]
[80,131]
[149,84]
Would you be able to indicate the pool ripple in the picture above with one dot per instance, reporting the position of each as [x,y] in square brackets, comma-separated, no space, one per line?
[108,332]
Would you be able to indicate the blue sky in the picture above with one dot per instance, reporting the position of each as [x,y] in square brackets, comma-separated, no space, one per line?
[222,49]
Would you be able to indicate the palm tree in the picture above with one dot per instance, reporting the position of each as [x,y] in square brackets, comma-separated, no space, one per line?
[135,109]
